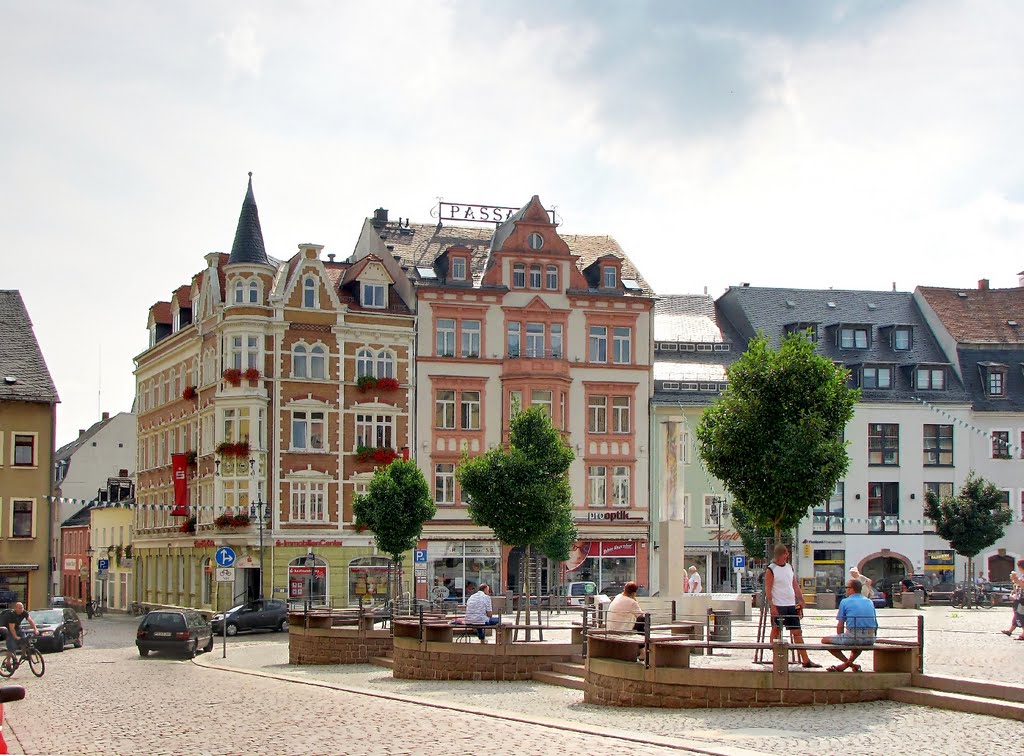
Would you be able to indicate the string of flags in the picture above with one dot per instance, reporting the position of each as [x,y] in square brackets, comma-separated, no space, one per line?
[97,504]
[1012,448]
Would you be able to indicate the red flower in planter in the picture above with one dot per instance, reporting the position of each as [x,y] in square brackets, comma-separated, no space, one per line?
[387,384]
[189,394]
[384,456]
[366,382]
[251,374]
[233,376]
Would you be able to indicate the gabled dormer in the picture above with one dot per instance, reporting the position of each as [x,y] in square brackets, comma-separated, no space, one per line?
[160,322]
[806,327]
[898,336]
[604,274]
[181,308]
[370,283]
[994,376]
[454,266]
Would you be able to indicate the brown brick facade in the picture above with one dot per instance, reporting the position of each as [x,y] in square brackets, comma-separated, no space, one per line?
[336,646]
[474,661]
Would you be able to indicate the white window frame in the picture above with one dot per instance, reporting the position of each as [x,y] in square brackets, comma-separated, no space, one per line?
[597,341]
[470,331]
[621,486]
[514,331]
[306,422]
[318,362]
[365,362]
[536,338]
[300,361]
[310,293]
[622,345]
[609,277]
[557,342]
[548,404]
[243,351]
[551,277]
[459,268]
[444,409]
[444,484]
[597,486]
[307,500]
[536,276]
[254,291]
[896,333]
[849,334]
[239,297]
[373,295]
[469,410]
[621,414]
[934,379]
[377,427]
[597,414]
[444,337]
[519,275]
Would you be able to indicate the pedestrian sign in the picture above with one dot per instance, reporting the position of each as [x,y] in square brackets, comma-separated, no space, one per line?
[225,556]
[739,562]
[420,555]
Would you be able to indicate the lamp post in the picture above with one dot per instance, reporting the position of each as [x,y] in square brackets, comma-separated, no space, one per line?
[258,510]
[311,564]
[88,583]
[719,509]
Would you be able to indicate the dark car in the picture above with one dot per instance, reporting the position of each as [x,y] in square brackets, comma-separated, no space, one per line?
[57,628]
[265,614]
[184,631]
[614,589]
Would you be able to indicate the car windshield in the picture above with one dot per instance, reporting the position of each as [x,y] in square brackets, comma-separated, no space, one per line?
[162,621]
[234,609]
[48,616]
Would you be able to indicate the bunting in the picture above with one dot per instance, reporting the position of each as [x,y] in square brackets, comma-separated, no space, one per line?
[97,504]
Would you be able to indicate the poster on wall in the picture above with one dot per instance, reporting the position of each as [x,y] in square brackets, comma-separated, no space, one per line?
[179,473]
[297,577]
[578,554]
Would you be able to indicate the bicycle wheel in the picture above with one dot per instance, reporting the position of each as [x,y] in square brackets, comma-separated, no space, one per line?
[985,601]
[7,667]
[35,662]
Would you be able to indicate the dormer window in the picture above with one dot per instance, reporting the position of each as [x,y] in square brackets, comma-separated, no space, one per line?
[459,268]
[853,338]
[176,321]
[534,276]
[902,339]
[374,295]
[808,329]
[519,276]
[309,293]
[930,378]
[609,277]
[876,377]
[993,376]
[535,241]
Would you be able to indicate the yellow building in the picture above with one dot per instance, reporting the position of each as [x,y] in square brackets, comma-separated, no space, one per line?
[28,401]
[111,531]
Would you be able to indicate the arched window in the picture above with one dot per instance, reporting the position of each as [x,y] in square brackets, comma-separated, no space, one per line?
[552,278]
[368,577]
[534,276]
[309,292]
[364,362]
[519,276]
[254,292]
[239,292]
[317,362]
[385,364]
[301,582]
[300,366]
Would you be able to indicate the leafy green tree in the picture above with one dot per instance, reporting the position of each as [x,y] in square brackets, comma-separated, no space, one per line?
[775,436]
[395,506]
[971,521]
[557,545]
[522,492]
[754,539]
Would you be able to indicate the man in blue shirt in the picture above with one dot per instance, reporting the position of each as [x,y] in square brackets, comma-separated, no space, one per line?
[856,627]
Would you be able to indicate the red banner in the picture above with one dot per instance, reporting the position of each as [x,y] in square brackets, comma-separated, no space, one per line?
[618,549]
[179,471]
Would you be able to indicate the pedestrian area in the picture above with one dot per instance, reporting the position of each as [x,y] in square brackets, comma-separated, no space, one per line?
[957,643]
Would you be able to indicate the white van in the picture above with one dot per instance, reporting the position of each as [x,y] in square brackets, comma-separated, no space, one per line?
[577,592]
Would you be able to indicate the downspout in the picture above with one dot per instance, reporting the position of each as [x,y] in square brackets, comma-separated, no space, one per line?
[49,499]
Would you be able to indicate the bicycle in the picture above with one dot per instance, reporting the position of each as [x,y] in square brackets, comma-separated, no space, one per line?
[27,652]
[979,598]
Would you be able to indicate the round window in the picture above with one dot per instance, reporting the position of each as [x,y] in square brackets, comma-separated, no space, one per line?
[535,240]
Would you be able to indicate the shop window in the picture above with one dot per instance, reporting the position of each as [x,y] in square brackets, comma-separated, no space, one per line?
[368,579]
[461,566]
[829,570]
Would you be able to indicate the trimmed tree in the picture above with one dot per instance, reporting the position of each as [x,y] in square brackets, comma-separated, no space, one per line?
[971,521]
[522,492]
[775,436]
[395,507]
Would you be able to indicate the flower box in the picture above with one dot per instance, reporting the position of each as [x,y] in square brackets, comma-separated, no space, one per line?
[382,455]
[189,526]
[231,449]
[387,384]
[368,383]
[232,521]
[189,394]
[251,374]
[233,376]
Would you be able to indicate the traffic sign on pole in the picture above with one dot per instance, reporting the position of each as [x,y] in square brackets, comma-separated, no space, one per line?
[102,564]
[225,574]
[225,556]
[420,556]
[739,562]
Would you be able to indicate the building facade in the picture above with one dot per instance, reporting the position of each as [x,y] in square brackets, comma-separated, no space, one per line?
[509,315]
[28,402]
[76,581]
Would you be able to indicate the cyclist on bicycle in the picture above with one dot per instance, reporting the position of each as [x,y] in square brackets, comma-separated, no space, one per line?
[12,619]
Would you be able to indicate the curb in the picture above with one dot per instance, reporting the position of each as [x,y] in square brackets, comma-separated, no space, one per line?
[678,744]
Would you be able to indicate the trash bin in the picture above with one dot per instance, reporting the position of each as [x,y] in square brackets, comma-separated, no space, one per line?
[721,625]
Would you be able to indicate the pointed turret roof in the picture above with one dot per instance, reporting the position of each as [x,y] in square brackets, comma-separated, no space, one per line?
[248,246]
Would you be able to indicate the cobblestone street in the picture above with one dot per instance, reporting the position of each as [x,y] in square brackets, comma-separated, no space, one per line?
[105,699]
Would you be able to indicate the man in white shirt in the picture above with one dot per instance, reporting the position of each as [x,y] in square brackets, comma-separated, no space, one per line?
[786,601]
[693,581]
[624,611]
[479,612]
[866,587]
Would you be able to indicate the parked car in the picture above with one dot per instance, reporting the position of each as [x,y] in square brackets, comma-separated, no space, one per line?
[183,630]
[614,589]
[576,592]
[265,614]
[8,693]
[880,600]
[57,628]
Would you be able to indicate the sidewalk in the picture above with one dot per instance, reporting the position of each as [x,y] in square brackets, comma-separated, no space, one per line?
[957,643]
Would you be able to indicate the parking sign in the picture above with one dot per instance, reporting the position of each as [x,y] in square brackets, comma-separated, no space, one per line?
[420,556]
[739,562]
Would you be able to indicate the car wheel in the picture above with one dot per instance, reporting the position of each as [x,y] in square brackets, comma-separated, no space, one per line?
[80,640]
[284,625]
[192,649]
[143,652]
[59,642]
[232,629]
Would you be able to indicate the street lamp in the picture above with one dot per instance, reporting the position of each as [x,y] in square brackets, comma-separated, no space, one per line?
[719,509]
[311,564]
[88,583]
[258,510]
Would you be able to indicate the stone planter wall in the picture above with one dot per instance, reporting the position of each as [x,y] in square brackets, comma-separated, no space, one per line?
[416,660]
[341,645]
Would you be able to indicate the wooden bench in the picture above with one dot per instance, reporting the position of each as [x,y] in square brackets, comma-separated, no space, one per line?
[889,655]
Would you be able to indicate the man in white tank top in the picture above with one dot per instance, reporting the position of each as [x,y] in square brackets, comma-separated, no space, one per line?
[786,601]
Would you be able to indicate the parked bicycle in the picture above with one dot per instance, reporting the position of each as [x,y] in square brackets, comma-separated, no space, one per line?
[27,652]
[977,597]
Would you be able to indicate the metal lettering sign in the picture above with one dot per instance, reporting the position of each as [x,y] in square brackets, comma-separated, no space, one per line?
[469,211]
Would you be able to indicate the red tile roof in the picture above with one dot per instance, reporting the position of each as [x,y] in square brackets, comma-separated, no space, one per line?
[979,316]
[161,312]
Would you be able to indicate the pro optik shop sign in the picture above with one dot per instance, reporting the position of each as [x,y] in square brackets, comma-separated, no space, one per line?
[469,211]
[609,516]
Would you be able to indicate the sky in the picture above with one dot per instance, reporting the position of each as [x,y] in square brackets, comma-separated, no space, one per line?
[799,144]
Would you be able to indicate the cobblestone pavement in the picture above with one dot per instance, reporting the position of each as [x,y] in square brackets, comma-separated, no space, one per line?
[105,699]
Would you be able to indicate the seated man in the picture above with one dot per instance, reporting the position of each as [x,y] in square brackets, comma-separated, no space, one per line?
[857,626]
[479,612]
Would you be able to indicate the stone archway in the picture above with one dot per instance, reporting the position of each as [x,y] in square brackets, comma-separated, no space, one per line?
[999,568]
[885,568]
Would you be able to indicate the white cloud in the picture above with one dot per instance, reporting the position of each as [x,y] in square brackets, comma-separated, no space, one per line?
[242,54]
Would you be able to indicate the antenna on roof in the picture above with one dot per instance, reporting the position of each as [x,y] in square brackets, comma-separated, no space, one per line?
[894,286]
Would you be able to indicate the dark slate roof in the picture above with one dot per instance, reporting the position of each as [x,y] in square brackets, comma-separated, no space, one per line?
[979,316]
[970,367]
[78,519]
[752,309]
[24,376]
[420,244]
[248,246]
[684,324]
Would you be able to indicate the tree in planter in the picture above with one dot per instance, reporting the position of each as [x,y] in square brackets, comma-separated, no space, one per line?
[775,437]
[558,544]
[755,540]
[395,506]
[522,493]
[971,521]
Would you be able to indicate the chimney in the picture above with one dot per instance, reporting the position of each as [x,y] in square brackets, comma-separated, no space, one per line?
[81,432]
[983,284]
[105,416]
[1020,278]
[330,257]
[122,473]
[380,217]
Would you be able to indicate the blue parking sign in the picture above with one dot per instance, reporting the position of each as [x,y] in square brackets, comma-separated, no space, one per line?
[739,562]
[420,556]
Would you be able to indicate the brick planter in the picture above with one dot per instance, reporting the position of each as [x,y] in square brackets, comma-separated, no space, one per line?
[421,660]
[339,645]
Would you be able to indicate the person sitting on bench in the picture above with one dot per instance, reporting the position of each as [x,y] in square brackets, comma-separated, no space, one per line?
[624,613]
[479,611]
[857,626]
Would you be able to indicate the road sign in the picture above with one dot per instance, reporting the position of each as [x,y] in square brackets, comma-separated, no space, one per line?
[102,564]
[739,562]
[225,574]
[439,593]
[225,556]
[101,574]
[420,555]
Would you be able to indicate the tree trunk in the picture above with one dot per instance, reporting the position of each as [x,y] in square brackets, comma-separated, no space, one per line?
[969,587]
